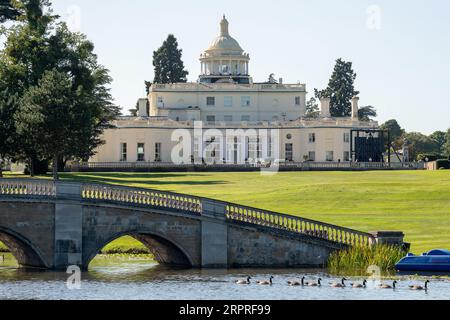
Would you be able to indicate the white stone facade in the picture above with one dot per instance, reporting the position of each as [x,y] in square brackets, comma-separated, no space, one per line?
[224,99]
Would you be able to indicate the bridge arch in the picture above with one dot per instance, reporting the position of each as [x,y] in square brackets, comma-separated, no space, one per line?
[26,253]
[166,251]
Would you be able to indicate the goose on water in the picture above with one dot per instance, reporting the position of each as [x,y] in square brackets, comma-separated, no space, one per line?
[314,284]
[297,283]
[243,281]
[338,285]
[386,286]
[266,282]
[417,287]
[359,285]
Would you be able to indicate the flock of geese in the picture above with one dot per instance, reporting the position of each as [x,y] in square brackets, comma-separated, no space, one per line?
[341,284]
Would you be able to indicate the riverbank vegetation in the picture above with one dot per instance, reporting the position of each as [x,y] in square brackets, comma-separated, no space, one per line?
[359,259]
[415,202]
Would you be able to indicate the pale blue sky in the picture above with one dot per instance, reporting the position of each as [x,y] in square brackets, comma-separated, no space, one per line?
[403,67]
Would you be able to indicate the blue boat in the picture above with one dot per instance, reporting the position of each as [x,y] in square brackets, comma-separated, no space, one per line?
[436,260]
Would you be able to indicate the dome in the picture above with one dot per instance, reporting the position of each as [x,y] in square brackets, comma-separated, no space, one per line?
[224,42]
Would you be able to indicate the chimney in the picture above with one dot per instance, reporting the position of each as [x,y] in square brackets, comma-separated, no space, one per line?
[355,108]
[142,107]
[325,107]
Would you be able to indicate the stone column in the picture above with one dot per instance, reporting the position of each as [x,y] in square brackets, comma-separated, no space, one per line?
[325,107]
[214,235]
[355,108]
[68,226]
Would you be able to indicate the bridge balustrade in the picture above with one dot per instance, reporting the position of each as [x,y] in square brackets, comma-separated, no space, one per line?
[299,225]
[191,205]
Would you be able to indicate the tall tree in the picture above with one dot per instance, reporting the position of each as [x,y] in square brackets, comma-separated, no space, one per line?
[420,144]
[394,128]
[367,113]
[24,59]
[34,47]
[312,108]
[169,68]
[440,139]
[340,89]
[8,11]
[446,146]
[47,114]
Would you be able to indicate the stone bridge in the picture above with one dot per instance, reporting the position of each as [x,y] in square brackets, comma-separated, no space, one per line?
[52,225]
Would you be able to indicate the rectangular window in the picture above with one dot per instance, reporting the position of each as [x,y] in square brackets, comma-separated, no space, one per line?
[346,156]
[123,152]
[246,101]
[297,101]
[312,156]
[346,137]
[330,156]
[228,102]
[312,138]
[211,119]
[158,152]
[210,101]
[289,148]
[140,152]
[228,118]
[245,118]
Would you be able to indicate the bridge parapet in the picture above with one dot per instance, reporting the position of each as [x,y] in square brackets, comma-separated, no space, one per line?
[218,210]
[299,225]
[27,188]
[142,197]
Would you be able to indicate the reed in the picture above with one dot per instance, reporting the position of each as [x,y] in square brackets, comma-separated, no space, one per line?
[358,259]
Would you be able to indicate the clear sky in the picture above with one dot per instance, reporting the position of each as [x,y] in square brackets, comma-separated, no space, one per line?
[400,49]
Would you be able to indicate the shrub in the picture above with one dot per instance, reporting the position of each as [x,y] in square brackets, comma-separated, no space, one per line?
[445,164]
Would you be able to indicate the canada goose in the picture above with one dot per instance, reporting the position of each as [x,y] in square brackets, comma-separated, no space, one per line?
[339,285]
[297,283]
[318,284]
[243,281]
[270,282]
[293,283]
[386,286]
[420,287]
[359,285]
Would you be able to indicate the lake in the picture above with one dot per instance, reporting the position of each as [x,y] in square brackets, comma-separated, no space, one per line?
[134,278]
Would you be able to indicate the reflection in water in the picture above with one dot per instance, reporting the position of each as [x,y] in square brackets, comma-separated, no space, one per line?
[137,278]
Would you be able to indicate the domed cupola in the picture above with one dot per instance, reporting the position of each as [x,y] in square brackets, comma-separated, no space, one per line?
[224,59]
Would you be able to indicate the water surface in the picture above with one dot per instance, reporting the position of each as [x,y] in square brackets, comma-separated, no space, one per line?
[123,278]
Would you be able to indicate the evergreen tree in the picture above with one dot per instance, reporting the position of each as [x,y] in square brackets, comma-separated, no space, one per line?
[312,108]
[340,89]
[394,128]
[169,67]
[439,138]
[8,11]
[34,47]
[395,131]
[446,146]
[46,113]
[367,113]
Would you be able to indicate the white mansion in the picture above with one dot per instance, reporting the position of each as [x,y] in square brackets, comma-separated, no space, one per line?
[225,117]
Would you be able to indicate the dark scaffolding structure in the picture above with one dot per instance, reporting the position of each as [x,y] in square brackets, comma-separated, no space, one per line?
[369,145]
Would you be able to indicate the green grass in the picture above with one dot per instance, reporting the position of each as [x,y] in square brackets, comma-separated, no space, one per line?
[125,245]
[3,248]
[416,202]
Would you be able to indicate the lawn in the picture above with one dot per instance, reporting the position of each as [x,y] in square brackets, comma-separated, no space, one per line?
[416,202]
